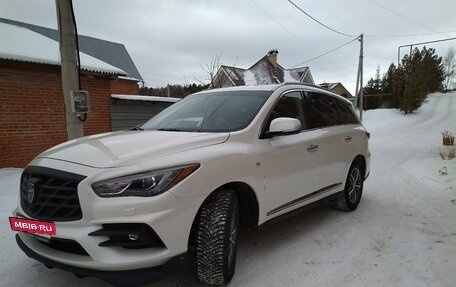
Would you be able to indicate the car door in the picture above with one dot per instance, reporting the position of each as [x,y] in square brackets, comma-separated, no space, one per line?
[334,143]
[290,162]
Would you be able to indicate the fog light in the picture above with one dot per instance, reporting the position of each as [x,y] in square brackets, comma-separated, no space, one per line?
[133,236]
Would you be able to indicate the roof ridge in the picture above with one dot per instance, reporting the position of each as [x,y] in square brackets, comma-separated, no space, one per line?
[291,69]
[112,53]
[261,59]
[25,24]
[233,67]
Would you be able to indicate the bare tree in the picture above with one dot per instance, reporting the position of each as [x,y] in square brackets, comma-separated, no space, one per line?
[449,66]
[211,69]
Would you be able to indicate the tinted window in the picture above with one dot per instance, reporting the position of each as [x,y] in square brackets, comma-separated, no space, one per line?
[290,105]
[323,110]
[210,112]
[345,112]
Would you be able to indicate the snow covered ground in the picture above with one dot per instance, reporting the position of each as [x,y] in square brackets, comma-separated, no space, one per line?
[402,234]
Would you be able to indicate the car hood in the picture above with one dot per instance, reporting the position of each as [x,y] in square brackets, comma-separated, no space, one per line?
[129,147]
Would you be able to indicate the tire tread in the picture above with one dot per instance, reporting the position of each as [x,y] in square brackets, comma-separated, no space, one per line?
[211,238]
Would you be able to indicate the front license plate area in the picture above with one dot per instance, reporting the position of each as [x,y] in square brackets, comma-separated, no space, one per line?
[33,226]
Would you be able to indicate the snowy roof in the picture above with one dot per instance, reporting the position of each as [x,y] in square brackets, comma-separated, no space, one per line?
[236,74]
[331,86]
[263,72]
[145,98]
[28,46]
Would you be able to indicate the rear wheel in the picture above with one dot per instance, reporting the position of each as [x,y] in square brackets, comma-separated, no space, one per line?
[349,199]
[216,238]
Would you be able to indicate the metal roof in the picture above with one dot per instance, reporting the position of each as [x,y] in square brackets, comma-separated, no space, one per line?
[145,98]
[112,53]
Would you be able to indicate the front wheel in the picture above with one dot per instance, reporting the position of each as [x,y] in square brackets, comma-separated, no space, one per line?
[216,238]
[349,199]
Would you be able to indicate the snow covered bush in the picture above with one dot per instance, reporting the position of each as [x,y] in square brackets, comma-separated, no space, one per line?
[447,150]
[447,138]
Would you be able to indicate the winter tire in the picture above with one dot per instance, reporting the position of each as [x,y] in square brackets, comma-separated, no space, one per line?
[216,238]
[349,199]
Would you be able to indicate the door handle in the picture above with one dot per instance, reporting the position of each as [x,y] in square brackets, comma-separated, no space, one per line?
[348,139]
[312,147]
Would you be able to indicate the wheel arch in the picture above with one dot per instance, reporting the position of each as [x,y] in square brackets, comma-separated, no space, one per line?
[361,160]
[249,206]
[248,200]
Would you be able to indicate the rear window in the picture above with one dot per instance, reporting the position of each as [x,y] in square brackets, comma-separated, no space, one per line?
[345,112]
[323,110]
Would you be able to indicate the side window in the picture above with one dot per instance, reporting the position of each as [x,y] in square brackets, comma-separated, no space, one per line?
[290,105]
[345,112]
[323,110]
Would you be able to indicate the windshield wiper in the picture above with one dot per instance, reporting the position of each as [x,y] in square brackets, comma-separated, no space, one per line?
[137,128]
[172,130]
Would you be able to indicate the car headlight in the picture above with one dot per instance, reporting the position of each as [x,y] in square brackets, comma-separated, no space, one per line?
[149,183]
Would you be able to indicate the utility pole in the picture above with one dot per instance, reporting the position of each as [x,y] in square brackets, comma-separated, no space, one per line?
[69,65]
[359,91]
[361,94]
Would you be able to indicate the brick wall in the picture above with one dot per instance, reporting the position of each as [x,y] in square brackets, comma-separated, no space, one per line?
[124,87]
[32,117]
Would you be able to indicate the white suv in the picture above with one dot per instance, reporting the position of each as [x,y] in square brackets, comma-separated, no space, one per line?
[129,206]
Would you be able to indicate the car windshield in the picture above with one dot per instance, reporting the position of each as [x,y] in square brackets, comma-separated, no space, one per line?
[223,111]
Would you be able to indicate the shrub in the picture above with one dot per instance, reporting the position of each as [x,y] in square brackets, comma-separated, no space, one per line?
[447,138]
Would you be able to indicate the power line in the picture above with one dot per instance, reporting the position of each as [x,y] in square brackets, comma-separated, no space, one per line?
[330,51]
[283,27]
[408,35]
[419,44]
[292,34]
[379,36]
[406,17]
[326,26]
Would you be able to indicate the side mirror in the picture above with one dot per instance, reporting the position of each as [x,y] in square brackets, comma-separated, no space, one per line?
[284,126]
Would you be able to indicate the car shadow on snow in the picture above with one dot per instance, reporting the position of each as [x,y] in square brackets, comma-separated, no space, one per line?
[258,249]
[255,247]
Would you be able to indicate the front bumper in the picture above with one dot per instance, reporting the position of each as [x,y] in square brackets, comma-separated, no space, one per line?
[117,278]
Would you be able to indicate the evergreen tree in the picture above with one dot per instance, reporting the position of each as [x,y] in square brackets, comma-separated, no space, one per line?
[387,85]
[418,75]
[373,87]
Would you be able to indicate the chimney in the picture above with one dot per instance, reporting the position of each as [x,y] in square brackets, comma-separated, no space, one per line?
[272,56]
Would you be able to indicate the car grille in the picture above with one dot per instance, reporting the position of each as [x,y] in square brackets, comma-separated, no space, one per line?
[50,194]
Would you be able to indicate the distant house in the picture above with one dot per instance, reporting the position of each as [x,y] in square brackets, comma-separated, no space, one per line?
[32,115]
[337,88]
[265,71]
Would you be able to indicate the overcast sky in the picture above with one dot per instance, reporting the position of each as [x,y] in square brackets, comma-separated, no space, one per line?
[168,40]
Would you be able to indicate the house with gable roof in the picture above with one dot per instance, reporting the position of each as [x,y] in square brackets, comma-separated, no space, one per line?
[266,71]
[337,88]
[32,114]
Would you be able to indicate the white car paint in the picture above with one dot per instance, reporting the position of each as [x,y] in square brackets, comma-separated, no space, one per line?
[278,169]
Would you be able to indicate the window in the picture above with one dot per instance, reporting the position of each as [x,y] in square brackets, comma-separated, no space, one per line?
[290,105]
[323,110]
[345,112]
[218,111]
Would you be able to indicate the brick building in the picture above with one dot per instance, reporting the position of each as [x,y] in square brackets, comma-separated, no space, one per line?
[32,116]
